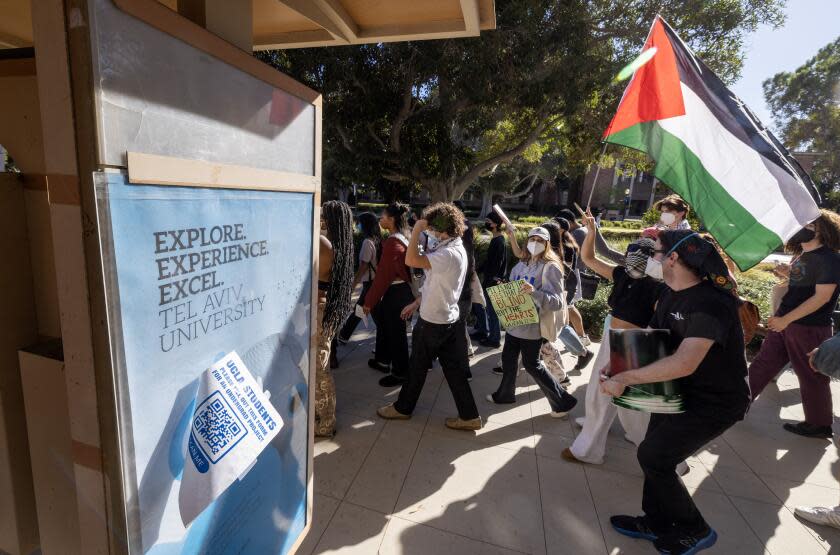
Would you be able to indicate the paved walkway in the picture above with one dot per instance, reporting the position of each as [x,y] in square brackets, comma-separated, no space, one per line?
[416,487]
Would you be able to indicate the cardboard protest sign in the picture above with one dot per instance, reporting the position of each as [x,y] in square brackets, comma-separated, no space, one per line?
[513,307]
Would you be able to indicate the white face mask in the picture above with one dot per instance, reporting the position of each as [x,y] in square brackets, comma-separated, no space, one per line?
[432,241]
[668,218]
[535,248]
[653,268]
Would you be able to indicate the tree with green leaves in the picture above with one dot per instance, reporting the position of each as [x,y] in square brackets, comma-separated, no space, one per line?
[441,114]
[805,104]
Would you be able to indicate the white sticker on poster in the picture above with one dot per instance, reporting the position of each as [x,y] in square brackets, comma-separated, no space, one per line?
[232,423]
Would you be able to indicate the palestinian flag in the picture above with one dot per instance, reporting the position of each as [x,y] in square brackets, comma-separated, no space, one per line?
[751,194]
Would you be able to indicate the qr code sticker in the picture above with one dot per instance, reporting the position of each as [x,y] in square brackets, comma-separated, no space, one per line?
[216,427]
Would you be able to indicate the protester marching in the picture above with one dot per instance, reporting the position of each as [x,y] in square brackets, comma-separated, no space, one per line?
[672,362]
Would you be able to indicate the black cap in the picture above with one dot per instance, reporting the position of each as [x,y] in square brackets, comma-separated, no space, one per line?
[567,215]
[699,254]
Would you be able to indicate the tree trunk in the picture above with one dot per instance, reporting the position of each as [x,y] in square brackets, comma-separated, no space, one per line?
[486,202]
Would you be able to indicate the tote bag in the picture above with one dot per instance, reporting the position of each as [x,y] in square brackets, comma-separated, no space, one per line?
[552,321]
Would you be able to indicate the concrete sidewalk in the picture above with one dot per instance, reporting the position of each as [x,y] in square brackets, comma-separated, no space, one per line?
[417,487]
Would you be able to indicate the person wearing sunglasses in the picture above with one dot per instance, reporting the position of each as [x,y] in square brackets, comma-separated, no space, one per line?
[632,302]
[700,311]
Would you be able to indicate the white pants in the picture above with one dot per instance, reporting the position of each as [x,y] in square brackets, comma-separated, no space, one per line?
[591,442]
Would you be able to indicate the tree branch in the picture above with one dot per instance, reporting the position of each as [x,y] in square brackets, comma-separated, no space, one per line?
[464,182]
[406,108]
[345,140]
[372,133]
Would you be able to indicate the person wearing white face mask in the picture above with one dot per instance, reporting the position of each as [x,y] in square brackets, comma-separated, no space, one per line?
[541,271]
[440,332]
[673,212]
[632,303]
[700,312]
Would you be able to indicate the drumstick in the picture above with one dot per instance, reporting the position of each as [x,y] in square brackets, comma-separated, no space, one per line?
[579,209]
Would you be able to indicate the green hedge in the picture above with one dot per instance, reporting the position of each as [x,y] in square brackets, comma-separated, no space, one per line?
[625,224]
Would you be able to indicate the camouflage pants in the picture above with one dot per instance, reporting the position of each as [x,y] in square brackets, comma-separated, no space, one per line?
[324,383]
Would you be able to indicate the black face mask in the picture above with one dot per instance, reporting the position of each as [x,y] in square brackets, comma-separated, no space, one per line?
[488,227]
[803,236]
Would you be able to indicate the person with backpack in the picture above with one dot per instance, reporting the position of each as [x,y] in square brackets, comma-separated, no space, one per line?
[369,254]
[541,270]
[388,295]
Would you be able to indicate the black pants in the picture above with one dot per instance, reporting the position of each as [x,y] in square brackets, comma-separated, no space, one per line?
[670,439]
[559,400]
[448,343]
[391,337]
[353,320]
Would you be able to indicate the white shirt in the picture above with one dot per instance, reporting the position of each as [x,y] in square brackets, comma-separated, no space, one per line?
[367,254]
[444,282]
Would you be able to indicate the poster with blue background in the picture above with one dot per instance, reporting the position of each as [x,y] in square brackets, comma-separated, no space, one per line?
[191,275]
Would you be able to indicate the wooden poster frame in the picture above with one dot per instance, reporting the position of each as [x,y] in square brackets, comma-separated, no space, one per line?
[171,171]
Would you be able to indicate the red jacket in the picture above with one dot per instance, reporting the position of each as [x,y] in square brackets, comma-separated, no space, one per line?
[391,267]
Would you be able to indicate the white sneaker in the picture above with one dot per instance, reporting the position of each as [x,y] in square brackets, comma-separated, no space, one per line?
[580,420]
[828,516]
[559,414]
[585,341]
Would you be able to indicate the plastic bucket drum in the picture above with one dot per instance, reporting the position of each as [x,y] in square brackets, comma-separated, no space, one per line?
[635,348]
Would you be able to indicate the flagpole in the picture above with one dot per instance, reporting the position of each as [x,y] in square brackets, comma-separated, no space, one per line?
[597,171]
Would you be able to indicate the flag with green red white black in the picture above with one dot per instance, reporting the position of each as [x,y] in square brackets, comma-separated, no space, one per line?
[749,191]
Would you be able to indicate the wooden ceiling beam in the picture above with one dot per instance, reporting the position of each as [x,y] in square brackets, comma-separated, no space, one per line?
[295,39]
[313,11]
[336,12]
[472,17]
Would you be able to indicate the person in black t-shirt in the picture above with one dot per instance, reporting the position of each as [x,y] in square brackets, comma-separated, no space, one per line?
[632,301]
[700,311]
[803,322]
[493,272]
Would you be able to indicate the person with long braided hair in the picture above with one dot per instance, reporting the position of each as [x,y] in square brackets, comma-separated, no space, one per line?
[335,284]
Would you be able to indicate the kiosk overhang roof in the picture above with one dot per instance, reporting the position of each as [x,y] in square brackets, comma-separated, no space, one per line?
[309,23]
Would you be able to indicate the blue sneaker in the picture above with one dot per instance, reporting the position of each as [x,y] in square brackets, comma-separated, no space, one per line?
[633,526]
[681,543]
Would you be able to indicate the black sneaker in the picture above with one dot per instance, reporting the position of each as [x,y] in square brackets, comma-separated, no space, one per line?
[565,381]
[681,543]
[633,527]
[584,360]
[809,430]
[491,344]
[343,340]
[391,381]
[498,370]
[478,336]
[381,366]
